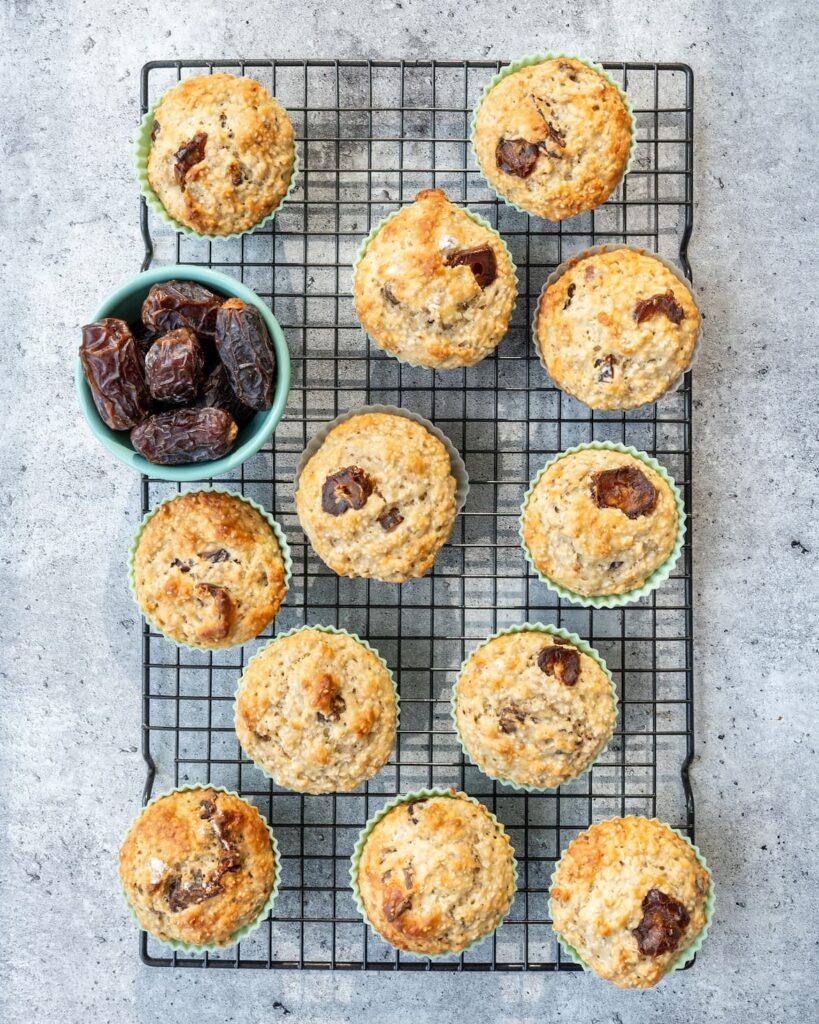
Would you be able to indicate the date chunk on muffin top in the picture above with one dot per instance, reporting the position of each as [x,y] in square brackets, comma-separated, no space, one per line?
[436,874]
[553,138]
[317,711]
[378,497]
[197,866]
[434,287]
[629,895]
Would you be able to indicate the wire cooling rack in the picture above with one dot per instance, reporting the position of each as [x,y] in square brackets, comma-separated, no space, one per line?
[370,135]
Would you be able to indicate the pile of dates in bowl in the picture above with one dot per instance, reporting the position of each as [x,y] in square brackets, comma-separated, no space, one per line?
[187,373]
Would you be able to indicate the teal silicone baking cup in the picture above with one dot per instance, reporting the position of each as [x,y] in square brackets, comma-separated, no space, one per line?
[686,955]
[241,933]
[405,798]
[142,146]
[322,629]
[539,58]
[284,547]
[660,574]
[583,647]
[385,220]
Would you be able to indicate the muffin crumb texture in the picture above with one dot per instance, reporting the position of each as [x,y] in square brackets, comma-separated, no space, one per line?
[600,522]
[629,895]
[222,153]
[553,138]
[197,867]
[317,711]
[436,874]
[434,287]
[208,570]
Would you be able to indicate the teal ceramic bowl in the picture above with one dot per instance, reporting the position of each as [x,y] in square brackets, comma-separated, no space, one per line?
[126,303]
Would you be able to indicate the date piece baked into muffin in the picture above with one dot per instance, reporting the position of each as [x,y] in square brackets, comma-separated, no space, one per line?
[378,498]
[197,866]
[553,138]
[600,522]
[434,287]
[629,895]
[208,570]
[436,874]
[533,709]
[317,711]
[617,329]
[222,153]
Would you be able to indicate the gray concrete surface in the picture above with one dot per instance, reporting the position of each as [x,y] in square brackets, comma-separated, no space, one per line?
[69,658]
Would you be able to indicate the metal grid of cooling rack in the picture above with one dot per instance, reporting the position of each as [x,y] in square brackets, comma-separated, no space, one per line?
[370,135]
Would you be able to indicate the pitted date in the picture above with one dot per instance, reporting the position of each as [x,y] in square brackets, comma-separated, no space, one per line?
[173,304]
[175,367]
[244,347]
[218,393]
[113,368]
[185,435]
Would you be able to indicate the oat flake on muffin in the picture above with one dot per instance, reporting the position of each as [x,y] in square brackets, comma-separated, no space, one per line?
[317,711]
[434,287]
[553,138]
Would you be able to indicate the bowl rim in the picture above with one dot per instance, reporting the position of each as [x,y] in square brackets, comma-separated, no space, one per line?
[110,439]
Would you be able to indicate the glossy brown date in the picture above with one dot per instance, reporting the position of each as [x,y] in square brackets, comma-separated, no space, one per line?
[244,347]
[173,304]
[185,435]
[112,364]
[218,393]
[175,367]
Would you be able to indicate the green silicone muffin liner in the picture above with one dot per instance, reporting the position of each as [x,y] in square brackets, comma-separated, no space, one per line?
[241,933]
[660,574]
[405,798]
[321,629]
[581,645]
[594,250]
[284,547]
[539,58]
[688,954]
[482,221]
[142,146]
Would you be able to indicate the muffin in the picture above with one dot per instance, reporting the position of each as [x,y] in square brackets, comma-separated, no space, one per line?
[533,709]
[553,138]
[317,711]
[208,570]
[600,521]
[221,153]
[198,867]
[436,873]
[377,499]
[630,896]
[435,287]
[617,329]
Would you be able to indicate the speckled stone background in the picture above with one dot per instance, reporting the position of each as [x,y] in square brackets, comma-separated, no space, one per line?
[69,698]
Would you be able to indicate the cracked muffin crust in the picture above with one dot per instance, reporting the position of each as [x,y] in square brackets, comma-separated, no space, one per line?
[197,866]
[533,709]
[378,498]
[435,874]
[317,711]
[599,522]
[222,153]
[434,287]
[208,570]
[629,895]
[617,329]
[553,138]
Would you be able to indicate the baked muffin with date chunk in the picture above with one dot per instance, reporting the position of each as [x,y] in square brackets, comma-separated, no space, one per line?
[554,137]
[599,522]
[630,896]
[208,570]
[221,154]
[532,709]
[617,329]
[197,867]
[436,873]
[378,498]
[434,287]
[317,711]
